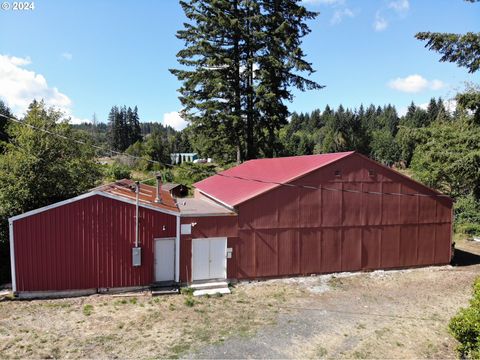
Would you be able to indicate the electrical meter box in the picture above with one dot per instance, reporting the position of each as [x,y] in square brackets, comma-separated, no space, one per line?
[137,256]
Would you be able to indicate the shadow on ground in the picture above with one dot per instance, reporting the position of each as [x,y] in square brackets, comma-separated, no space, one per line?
[465,258]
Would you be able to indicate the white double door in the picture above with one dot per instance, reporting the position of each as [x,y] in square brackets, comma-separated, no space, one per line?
[209,258]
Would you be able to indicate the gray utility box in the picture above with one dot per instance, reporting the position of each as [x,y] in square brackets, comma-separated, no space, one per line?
[137,256]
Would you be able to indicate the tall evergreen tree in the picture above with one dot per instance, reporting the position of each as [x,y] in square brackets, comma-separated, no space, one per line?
[123,127]
[133,125]
[280,60]
[240,58]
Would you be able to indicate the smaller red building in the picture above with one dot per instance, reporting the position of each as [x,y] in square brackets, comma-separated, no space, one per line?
[264,218]
[85,243]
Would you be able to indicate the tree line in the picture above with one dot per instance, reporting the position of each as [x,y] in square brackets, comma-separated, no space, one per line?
[376,131]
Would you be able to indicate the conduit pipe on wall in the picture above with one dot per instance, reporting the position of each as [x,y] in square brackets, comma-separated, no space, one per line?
[137,229]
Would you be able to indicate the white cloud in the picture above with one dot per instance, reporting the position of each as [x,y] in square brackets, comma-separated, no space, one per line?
[437,84]
[19,61]
[402,111]
[380,22]
[338,15]
[67,56]
[174,120]
[400,6]
[19,87]
[341,9]
[450,105]
[415,83]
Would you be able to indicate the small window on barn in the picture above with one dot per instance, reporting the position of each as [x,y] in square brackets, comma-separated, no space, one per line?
[338,173]
[371,173]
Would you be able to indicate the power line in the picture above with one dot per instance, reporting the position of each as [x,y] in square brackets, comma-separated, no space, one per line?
[82,142]
[225,175]
[330,189]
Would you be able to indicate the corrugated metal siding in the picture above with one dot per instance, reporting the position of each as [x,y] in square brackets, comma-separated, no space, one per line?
[86,244]
[292,231]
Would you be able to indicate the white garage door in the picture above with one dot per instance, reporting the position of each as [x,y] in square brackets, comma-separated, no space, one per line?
[209,259]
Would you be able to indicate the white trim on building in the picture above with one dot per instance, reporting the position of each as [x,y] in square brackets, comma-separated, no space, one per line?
[85,196]
[12,256]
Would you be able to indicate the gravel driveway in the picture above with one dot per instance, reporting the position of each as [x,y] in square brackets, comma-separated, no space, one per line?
[392,314]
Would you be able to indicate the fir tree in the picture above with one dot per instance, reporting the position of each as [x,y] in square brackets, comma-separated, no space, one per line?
[239,60]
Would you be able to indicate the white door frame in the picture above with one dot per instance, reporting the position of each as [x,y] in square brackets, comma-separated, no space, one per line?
[225,259]
[174,239]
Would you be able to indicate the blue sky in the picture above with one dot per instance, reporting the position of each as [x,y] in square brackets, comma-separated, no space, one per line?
[86,56]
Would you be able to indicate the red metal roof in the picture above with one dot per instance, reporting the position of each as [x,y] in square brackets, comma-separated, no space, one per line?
[233,191]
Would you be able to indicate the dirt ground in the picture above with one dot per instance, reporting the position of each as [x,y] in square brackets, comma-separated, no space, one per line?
[392,314]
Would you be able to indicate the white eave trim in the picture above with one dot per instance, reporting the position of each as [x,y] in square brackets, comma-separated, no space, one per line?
[12,256]
[177,251]
[218,201]
[87,195]
[194,215]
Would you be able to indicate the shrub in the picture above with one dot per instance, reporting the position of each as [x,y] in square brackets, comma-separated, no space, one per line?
[467,215]
[468,229]
[117,171]
[133,300]
[189,301]
[189,173]
[187,290]
[465,326]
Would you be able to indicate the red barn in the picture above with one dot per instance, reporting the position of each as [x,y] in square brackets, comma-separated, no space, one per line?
[320,214]
[264,218]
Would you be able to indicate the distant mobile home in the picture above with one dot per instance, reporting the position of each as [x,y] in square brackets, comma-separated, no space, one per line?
[264,218]
[178,158]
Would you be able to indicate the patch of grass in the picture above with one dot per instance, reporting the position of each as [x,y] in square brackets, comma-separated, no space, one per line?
[361,326]
[189,301]
[186,291]
[121,302]
[133,300]
[381,332]
[88,310]
[335,283]
[361,355]
[320,351]
[171,306]
[279,295]
[55,353]
[57,305]
[9,296]
[178,349]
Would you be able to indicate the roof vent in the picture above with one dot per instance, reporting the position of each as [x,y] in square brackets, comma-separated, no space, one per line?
[158,198]
[338,173]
